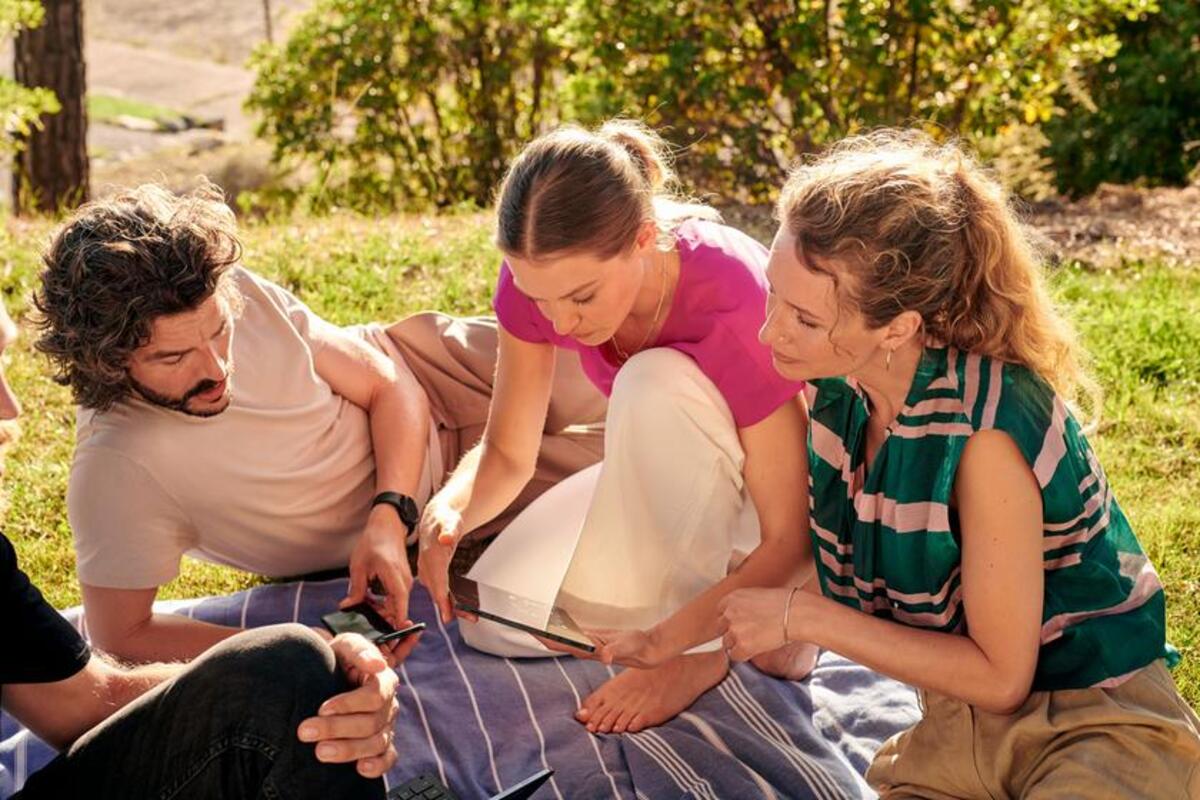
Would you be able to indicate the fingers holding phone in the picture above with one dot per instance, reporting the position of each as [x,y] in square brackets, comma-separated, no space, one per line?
[394,644]
[381,557]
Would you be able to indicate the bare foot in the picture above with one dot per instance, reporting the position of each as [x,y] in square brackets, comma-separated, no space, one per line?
[791,662]
[641,698]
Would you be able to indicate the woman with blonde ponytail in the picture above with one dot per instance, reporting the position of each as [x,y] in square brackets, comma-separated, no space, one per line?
[967,541]
[662,303]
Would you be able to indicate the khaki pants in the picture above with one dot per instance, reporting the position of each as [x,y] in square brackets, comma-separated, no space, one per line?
[454,360]
[627,542]
[1136,740]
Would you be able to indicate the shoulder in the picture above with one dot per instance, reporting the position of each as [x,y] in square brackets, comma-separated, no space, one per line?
[706,244]
[1001,394]
[110,470]
[260,294]
[517,314]
[722,272]
[1006,398]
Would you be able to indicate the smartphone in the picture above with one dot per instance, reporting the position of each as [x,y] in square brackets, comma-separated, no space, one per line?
[367,622]
[540,619]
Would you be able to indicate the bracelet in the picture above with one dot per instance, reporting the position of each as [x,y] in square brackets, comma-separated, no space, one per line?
[787,613]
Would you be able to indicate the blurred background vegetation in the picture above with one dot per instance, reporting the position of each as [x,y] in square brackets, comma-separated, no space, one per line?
[422,103]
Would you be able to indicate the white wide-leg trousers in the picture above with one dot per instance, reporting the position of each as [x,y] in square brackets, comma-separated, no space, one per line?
[627,542]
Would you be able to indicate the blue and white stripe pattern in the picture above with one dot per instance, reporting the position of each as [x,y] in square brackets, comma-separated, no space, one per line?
[483,723]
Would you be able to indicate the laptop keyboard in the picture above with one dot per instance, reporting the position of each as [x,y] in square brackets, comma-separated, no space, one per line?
[422,787]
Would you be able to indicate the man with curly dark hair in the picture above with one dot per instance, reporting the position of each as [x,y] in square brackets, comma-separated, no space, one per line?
[133,732]
[220,417]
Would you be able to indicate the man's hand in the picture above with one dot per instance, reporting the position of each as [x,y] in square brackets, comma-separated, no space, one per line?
[380,554]
[357,725]
[439,532]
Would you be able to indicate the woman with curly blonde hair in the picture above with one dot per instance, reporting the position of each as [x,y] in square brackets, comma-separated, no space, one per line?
[967,540]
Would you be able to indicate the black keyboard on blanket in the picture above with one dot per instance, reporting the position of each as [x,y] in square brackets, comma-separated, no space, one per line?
[427,787]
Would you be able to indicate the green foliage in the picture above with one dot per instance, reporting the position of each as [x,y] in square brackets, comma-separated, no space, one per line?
[1140,117]
[407,103]
[424,102]
[21,107]
[757,82]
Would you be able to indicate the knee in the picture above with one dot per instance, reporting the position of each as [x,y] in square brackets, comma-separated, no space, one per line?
[658,371]
[664,391]
[281,666]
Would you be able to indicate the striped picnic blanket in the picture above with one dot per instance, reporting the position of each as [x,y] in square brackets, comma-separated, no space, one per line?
[483,723]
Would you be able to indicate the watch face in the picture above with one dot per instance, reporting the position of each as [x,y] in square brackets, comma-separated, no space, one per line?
[405,506]
[408,510]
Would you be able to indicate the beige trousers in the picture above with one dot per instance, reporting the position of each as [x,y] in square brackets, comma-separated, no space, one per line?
[454,360]
[625,543]
[1136,740]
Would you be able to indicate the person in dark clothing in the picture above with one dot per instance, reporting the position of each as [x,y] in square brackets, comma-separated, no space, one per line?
[273,712]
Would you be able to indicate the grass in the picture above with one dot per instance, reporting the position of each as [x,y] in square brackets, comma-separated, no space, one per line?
[1141,323]
[108,108]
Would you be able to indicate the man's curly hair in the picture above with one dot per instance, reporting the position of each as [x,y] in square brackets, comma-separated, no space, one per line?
[117,265]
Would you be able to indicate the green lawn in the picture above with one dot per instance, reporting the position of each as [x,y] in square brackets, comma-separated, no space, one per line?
[109,109]
[1142,324]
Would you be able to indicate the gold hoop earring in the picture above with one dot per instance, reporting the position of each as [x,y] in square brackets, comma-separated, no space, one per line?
[887,362]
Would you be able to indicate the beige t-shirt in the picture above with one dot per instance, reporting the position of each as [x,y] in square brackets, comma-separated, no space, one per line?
[280,483]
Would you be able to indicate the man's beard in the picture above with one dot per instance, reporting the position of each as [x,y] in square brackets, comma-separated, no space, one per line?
[180,404]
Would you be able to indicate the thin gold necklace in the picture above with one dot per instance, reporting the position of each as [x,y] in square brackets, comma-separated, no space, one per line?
[662,296]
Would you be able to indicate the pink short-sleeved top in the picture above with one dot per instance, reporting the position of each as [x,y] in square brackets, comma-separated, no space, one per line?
[719,306]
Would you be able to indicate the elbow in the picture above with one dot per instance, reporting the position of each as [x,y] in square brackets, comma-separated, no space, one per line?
[521,464]
[120,641]
[1006,694]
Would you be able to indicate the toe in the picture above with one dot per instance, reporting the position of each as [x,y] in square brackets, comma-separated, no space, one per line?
[622,723]
[610,718]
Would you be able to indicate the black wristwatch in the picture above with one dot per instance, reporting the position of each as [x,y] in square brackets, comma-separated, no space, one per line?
[405,506]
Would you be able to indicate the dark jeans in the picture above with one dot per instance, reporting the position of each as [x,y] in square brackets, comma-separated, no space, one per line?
[225,728]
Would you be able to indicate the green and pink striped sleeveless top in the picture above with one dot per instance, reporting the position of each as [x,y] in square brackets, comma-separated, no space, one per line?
[887,541]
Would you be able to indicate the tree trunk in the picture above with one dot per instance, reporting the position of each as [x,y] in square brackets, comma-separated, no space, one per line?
[51,171]
[266,4]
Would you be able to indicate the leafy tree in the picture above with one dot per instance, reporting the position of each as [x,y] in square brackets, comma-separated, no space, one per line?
[1138,114]
[755,83]
[421,101]
[51,168]
[20,106]
[425,101]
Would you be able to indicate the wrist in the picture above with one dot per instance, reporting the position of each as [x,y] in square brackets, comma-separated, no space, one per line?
[787,614]
[800,617]
[401,506]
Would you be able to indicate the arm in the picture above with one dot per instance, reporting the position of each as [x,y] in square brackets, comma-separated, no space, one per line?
[62,711]
[122,622]
[776,474]
[398,410]
[491,476]
[992,666]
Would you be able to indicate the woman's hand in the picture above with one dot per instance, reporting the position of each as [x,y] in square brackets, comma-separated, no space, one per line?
[628,648]
[751,621]
[439,533]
